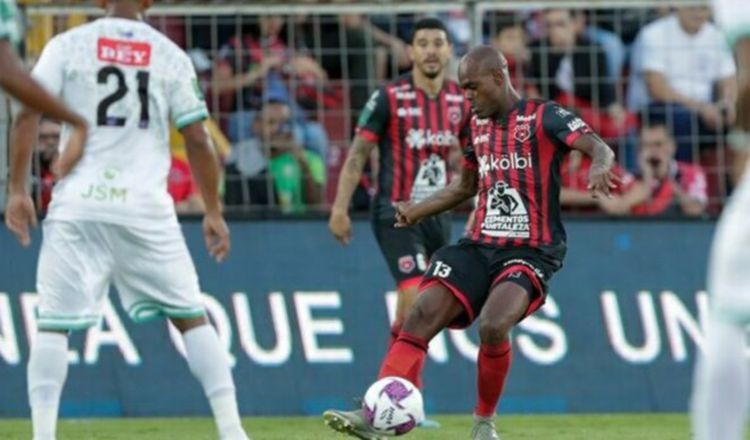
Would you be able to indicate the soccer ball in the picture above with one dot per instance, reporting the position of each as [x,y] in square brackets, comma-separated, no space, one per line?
[393,406]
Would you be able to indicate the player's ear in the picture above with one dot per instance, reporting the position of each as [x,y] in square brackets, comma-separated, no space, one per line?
[499,77]
[410,51]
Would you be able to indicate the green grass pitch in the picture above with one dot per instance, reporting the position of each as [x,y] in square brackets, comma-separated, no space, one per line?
[557,427]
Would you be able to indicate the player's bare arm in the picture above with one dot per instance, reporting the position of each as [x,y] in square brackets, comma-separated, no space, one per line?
[21,86]
[740,138]
[339,223]
[20,214]
[601,177]
[205,166]
[458,191]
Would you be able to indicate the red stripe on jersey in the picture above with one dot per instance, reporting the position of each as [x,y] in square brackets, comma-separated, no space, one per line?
[572,137]
[481,210]
[495,131]
[126,53]
[513,150]
[422,124]
[407,151]
[528,151]
[368,135]
[466,163]
[437,124]
[396,144]
[546,153]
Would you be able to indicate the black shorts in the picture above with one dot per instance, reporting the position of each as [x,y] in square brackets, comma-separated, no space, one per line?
[470,270]
[407,251]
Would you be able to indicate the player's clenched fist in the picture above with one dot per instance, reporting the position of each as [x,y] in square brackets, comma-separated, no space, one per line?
[341,226]
[404,218]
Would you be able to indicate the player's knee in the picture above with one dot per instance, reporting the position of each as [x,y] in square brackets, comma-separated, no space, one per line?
[494,330]
[185,324]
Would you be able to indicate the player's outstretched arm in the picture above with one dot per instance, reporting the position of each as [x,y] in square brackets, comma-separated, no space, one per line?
[458,191]
[739,140]
[351,173]
[205,167]
[601,176]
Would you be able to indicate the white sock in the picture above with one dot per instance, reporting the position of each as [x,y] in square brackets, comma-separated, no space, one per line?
[720,391]
[47,370]
[210,364]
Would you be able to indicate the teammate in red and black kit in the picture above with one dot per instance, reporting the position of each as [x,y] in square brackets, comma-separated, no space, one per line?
[414,123]
[498,273]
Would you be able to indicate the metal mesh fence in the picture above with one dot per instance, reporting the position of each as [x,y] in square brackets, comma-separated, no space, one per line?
[317,64]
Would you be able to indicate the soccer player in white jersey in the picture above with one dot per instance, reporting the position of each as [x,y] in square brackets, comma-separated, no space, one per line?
[721,389]
[111,219]
[18,84]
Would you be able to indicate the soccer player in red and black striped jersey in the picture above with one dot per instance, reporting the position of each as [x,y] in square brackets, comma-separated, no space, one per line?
[498,273]
[414,122]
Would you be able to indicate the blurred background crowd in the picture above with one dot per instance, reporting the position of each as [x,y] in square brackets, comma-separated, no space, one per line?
[285,90]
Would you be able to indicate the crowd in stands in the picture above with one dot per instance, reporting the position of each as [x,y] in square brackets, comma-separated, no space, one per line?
[658,85]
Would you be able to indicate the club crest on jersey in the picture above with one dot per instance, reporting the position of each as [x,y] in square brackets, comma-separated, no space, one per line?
[406,264]
[522,132]
[455,114]
[126,53]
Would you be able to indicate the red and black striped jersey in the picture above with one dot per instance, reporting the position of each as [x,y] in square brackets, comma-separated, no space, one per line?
[517,159]
[415,134]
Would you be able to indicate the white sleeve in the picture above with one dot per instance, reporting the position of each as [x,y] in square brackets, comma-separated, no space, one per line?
[727,67]
[652,48]
[186,102]
[50,68]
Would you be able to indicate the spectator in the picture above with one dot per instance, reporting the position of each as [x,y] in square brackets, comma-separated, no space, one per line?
[257,62]
[273,154]
[664,185]
[508,36]
[568,67]
[182,188]
[180,183]
[574,179]
[682,60]
[614,48]
[46,153]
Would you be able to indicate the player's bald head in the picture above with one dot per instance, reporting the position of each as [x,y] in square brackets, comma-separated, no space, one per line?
[484,60]
[142,4]
[483,74]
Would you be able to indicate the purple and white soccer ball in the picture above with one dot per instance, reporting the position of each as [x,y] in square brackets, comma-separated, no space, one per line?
[393,406]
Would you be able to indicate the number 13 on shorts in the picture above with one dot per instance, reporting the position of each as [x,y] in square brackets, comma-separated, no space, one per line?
[441,270]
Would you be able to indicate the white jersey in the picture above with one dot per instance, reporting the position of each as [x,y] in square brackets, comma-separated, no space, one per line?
[127,80]
[733,16]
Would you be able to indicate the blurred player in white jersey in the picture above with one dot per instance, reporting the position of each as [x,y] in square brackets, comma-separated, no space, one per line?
[18,84]
[111,219]
[721,389]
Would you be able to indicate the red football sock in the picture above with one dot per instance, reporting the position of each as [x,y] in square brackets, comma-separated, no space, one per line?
[395,330]
[405,359]
[493,364]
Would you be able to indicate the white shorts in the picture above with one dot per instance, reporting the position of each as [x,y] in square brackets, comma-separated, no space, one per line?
[151,269]
[733,17]
[728,272]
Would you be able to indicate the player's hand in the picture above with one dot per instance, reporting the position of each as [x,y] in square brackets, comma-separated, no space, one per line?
[602,181]
[72,153]
[340,225]
[404,218]
[19,216]
[216,234]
